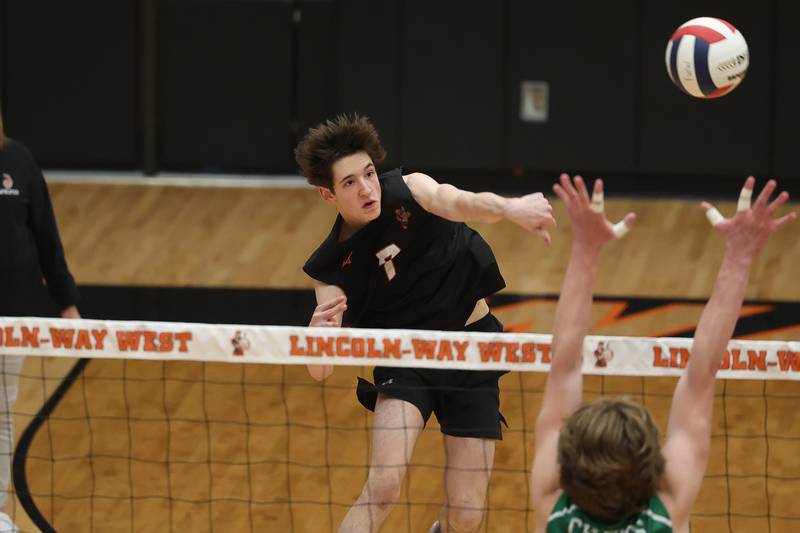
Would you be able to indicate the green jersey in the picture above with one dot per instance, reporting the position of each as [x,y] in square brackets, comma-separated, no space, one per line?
[567,517]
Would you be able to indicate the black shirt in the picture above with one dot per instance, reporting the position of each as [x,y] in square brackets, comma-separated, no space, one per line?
[408,268]
[31,244]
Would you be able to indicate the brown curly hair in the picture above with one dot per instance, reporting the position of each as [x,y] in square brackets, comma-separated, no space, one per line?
[332,140]
[610,458]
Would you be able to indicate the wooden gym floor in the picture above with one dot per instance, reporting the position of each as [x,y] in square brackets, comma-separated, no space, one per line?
[192,429]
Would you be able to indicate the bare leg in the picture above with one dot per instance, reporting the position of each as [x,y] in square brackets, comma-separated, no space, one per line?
[395,430]
[467,474]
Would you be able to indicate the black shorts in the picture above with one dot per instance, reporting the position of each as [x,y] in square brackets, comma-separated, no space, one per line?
[466,402]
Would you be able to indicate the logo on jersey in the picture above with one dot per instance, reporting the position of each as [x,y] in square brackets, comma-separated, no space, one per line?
[348,260]
[402,216]
[386,260]
[240,343]
[603,354]
[7,189]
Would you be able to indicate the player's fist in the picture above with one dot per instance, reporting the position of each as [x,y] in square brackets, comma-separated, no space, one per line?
[533,212]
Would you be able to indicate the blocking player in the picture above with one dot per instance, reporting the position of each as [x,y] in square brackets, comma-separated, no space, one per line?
[599,467]
[400,256]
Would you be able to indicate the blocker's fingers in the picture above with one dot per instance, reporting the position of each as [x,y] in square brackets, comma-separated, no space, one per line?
[765,193]
[777,202]
[581,186]
[561,193]
[712,214]
[630,218]
[622,227]
[566,183]
[598,201]
[746,194]
[785,219]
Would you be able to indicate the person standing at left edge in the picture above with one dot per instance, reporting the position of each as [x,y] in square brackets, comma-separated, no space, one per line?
[32,250]
[400,256]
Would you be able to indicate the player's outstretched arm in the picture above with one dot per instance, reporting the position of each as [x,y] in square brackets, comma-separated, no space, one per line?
[563,392]
[688,438]
[332,303]
[533,212]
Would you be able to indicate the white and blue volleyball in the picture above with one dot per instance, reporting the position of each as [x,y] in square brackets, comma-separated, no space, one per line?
[707,57]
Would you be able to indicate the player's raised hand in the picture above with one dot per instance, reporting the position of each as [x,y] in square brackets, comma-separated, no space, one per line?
[533,212]
[748,230]
[327,313]
[590,227]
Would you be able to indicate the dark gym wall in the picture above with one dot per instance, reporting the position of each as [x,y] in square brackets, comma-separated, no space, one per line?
[238,82]
[225,85]
[591,67]
[3,55]
[368,70]
[786,104]
[316,62]
[452,88]
[70,80]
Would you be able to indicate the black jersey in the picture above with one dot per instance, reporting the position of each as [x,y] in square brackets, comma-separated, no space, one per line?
[408,268]
[32,246]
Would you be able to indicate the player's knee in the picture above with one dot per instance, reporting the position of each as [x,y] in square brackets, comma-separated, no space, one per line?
[384,487]
[464,520]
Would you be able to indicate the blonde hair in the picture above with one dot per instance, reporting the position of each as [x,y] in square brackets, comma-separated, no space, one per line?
[610,458]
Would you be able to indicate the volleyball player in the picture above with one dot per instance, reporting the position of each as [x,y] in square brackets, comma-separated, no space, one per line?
[599,467]
[400,256]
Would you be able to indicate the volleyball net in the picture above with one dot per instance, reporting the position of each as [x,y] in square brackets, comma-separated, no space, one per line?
[182,426]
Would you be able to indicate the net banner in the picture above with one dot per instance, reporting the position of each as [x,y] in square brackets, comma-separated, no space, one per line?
[627,356]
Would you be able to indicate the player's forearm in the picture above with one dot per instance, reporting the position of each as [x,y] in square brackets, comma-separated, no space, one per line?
[719,317]
[574,310]
[466,206]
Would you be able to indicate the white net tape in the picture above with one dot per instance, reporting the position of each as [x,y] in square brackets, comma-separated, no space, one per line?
[603,355]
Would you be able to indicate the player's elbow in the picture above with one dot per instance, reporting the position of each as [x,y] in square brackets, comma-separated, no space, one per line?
[447,202]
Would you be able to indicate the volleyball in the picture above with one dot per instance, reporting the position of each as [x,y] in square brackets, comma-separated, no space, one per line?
[707,57]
